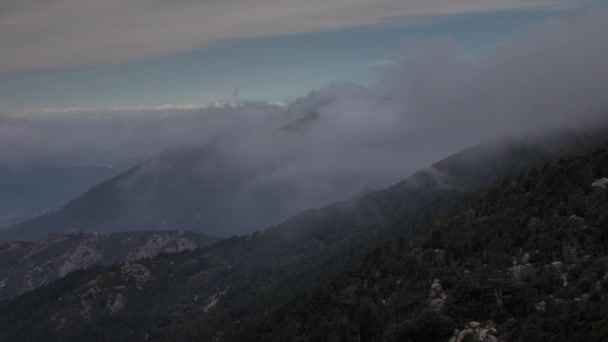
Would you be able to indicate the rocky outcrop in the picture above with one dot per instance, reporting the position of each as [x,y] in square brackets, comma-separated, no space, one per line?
[116,303]
[475,331]
[437,296]
[212,301]
[84,256]
[38,263]
[162,244]
[135,271]
[600,183]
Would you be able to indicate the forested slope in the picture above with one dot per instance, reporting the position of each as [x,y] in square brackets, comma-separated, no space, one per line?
[526,261]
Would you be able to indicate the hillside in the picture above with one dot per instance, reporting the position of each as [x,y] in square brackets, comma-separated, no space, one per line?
[195,188]
[212,292]
[525,261]
[25,266]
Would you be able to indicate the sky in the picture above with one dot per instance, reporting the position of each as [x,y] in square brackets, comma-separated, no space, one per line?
[61,54]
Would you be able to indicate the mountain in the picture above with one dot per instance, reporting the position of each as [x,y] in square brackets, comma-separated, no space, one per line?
[217,291]
[195,188]
[26,191]
[525,261]
[25,266]
[203,189]
[178,189]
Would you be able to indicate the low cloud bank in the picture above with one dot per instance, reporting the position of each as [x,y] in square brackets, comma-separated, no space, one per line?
[433,102]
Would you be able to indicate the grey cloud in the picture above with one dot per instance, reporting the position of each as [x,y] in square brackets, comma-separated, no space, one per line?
[57,33]
[432,103]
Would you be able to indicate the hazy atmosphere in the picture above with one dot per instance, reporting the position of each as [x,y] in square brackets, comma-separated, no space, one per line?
[264,148]
[430,102]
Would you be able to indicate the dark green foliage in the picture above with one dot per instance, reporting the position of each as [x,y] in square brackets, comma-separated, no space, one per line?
[503,257]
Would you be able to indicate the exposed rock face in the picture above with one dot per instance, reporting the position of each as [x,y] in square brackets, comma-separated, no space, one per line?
[84,256]
[540,307]
[116,303]
[437,296]
[477,331]
[136,271]
[162,244]
[600,183]
[213,301]
[38,263]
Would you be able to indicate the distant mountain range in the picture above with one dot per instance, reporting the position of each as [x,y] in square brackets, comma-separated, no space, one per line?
[193,187]
[190,188]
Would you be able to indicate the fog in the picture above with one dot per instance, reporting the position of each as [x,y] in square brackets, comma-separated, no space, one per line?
[433,102]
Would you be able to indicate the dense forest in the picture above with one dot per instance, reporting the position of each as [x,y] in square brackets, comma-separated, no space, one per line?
[526,261]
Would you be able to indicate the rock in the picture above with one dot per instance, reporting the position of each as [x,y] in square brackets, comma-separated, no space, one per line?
[576,218]
[137,271]
[476,331]
[600,183]
[436,288]
[541,307]
[525,258]
[559,301]
[213,301]
[162,244]
[557,264]
[83,256]
[463,334]
[437,296]
[116,304]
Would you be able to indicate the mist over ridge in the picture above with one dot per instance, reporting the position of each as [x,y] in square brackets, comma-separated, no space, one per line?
[432,102]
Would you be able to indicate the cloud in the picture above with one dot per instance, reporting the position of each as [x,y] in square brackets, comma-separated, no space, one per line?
[432,103]
[106,136]
[64,33]
[165,107]
[379,63]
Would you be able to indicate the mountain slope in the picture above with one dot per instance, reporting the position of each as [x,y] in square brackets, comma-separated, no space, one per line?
[201,188]
[25,266]
[196,188]
[527,261]
[212,292]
